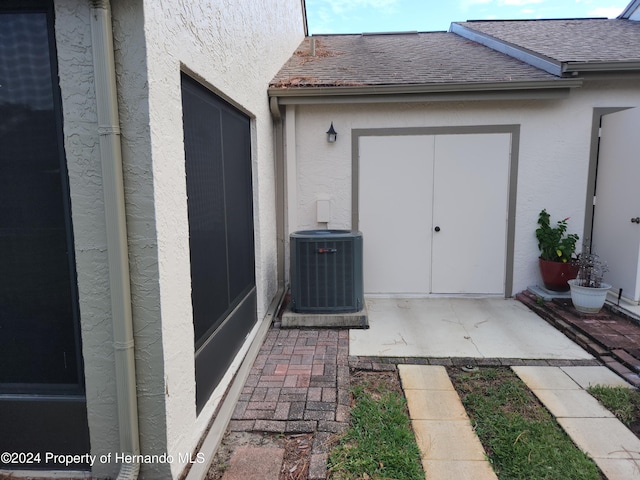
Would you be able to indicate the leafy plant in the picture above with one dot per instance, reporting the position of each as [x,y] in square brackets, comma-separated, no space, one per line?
[591,268]
[554,243]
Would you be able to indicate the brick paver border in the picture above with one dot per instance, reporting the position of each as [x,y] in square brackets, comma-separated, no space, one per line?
[611,336]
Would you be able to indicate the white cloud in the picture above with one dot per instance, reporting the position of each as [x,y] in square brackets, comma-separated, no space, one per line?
[518,3]
[342,6]
[498,3]
[329,13]
[609,12]
[464,4]
[467,4]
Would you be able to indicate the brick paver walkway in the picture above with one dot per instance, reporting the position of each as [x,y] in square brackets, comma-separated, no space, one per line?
[299,383]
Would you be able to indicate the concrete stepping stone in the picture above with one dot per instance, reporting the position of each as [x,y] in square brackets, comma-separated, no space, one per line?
[417,377]
[447,440]
[587,376]
[572,403]
[545,378]
[619,469]
[595,430]
[255,463]
[459,470]
[602,437]
[450,449]
[435,405]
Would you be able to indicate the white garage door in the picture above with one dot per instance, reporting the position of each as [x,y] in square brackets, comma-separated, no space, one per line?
[433,213]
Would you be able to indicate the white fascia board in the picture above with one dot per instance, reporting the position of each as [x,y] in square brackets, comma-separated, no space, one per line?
[542,62]
[540,90]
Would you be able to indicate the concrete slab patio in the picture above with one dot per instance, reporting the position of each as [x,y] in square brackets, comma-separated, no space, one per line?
[459,327]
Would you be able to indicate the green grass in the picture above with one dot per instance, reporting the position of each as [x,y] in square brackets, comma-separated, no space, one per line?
[522,440]
[623,402]
[379,443]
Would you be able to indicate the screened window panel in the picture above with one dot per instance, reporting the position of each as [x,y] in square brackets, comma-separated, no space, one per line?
[220,206]
[39,343]
[239,203]
[205,201]
[218,168]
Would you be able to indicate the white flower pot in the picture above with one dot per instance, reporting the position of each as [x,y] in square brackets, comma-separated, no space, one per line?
[588,299]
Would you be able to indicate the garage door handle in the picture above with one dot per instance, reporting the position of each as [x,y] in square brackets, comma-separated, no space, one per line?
[635,220]
[437,229]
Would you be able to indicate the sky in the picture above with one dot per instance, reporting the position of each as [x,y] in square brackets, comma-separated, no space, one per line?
[360,16]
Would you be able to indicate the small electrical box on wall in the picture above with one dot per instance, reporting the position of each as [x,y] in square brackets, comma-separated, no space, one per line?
[323,211]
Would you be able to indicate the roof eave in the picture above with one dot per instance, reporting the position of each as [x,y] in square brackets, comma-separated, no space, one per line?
[629,66]
[426,92]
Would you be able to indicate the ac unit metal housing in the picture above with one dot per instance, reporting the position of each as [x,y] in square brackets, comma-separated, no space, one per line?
[326,271]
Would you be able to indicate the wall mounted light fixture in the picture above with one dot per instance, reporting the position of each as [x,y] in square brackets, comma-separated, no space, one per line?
[332,135]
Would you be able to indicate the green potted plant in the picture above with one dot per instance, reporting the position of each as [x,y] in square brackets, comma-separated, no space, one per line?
[588,290]
[557,248]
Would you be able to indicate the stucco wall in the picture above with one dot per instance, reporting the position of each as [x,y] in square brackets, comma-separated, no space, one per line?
[553,166]
[234,47]
[81,142]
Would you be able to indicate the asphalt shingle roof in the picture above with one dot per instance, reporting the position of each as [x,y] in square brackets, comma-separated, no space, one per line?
[400,59]
[571,40]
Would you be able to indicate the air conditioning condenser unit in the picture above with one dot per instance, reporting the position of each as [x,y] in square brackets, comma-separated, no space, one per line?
[326,271]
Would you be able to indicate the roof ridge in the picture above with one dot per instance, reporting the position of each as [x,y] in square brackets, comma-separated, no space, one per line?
[535,19]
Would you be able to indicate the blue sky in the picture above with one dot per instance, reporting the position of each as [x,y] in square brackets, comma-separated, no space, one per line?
[358,16]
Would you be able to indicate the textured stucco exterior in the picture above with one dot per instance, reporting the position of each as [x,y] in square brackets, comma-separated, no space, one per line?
[81,142]
[553,156]
[234,48]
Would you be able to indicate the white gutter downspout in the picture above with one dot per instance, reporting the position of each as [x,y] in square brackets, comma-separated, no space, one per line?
[117,246]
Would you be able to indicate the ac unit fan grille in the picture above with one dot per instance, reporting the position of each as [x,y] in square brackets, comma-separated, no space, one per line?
[328,277]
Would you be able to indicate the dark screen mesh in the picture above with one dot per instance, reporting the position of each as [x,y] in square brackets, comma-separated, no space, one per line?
[218,166]
[218,169]
[38,336]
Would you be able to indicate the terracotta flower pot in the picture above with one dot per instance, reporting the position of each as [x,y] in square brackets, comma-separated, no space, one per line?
[556,274]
